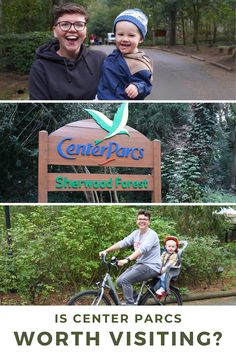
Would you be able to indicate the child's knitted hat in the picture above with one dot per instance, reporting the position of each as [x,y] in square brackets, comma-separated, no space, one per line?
[173,238]
[136,16]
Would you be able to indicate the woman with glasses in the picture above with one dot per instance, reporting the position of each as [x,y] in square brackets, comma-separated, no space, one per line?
[65,69]
[146,253]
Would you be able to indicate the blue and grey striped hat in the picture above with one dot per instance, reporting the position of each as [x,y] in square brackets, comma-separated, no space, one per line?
[137,17]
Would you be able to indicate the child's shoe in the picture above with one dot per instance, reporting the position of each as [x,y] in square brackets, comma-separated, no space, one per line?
[160,291]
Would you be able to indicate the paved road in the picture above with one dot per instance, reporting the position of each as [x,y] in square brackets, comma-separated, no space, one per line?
[230,300]
[178,77]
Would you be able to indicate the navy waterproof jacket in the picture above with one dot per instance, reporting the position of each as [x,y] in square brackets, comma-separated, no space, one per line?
[120,71]
[53,77]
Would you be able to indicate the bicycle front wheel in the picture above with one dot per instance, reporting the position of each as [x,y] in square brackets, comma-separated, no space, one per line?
[172,298]
[89,298]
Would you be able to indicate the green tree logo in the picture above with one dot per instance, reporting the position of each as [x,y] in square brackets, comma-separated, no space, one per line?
[117,126]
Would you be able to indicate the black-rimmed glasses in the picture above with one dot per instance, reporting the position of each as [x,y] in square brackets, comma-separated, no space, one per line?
[66,25]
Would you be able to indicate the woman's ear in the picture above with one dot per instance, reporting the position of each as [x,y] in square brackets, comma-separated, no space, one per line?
[54,32]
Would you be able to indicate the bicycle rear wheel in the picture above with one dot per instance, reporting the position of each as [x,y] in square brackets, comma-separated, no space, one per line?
[172,298]
[89,298]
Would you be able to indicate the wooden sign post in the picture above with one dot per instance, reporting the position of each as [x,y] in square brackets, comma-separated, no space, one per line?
[82,143]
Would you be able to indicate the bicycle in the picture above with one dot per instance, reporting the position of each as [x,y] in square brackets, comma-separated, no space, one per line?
[145,296]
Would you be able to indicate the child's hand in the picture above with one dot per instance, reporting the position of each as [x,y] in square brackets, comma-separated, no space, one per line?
[131,91]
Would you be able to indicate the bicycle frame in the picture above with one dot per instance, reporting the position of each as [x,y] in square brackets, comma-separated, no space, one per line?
[107,283]
[142,294]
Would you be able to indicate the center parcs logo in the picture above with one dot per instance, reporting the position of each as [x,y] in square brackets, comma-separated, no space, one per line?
[117,126]
[110,151]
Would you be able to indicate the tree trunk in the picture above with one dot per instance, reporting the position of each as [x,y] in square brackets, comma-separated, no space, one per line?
[214,34]
[1,29]
[154,26]
[196,16]
[183,28]
[233,172]
[172,25]
[89,195]
[58,2]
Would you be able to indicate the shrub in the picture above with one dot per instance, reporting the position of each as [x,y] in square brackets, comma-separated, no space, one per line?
[18,50]
[7,276]
[202,260]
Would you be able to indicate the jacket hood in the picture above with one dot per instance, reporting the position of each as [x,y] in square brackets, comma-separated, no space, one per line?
[142,58]
[136,61]
[49,50]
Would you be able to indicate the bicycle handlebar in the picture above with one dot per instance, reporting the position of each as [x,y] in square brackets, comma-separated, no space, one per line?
[103,257]
[113,260]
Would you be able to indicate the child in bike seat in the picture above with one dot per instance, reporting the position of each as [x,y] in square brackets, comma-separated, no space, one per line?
[169,258]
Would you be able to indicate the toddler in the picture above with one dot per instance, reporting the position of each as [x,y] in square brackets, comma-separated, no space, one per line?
[169,258]
[127,71]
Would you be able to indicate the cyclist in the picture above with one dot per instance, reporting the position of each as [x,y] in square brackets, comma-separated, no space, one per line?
[146,246]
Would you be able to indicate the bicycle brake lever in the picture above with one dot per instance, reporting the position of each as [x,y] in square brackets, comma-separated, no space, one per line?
[103,257]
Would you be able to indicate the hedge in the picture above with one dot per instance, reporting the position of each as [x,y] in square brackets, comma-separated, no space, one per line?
[18,50]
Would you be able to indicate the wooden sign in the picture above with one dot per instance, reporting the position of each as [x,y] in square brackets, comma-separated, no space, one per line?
[84,143]
[160,33]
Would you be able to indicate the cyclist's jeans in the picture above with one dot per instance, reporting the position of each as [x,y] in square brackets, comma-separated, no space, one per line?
[135,274]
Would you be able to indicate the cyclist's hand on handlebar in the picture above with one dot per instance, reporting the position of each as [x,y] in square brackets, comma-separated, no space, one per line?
[102,253]
[122,262]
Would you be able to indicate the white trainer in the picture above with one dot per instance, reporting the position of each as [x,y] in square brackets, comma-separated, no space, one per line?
[160,291]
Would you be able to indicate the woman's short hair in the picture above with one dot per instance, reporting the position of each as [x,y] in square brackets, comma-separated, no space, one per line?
[145,213]
[68,8]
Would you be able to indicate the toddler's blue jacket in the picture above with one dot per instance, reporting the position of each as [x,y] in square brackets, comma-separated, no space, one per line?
[119,71]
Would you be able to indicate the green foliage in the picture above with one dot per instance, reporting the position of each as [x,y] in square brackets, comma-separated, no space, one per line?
[53,248]
[219,196]
[187,168]
[25,16]
[203,259]
[101,19]
[213,19]
[18,50]
[159,121]
[7,275]
[181,173]
[192,221]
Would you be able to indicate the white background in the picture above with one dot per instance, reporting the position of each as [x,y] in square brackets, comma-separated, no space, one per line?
[194,319]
